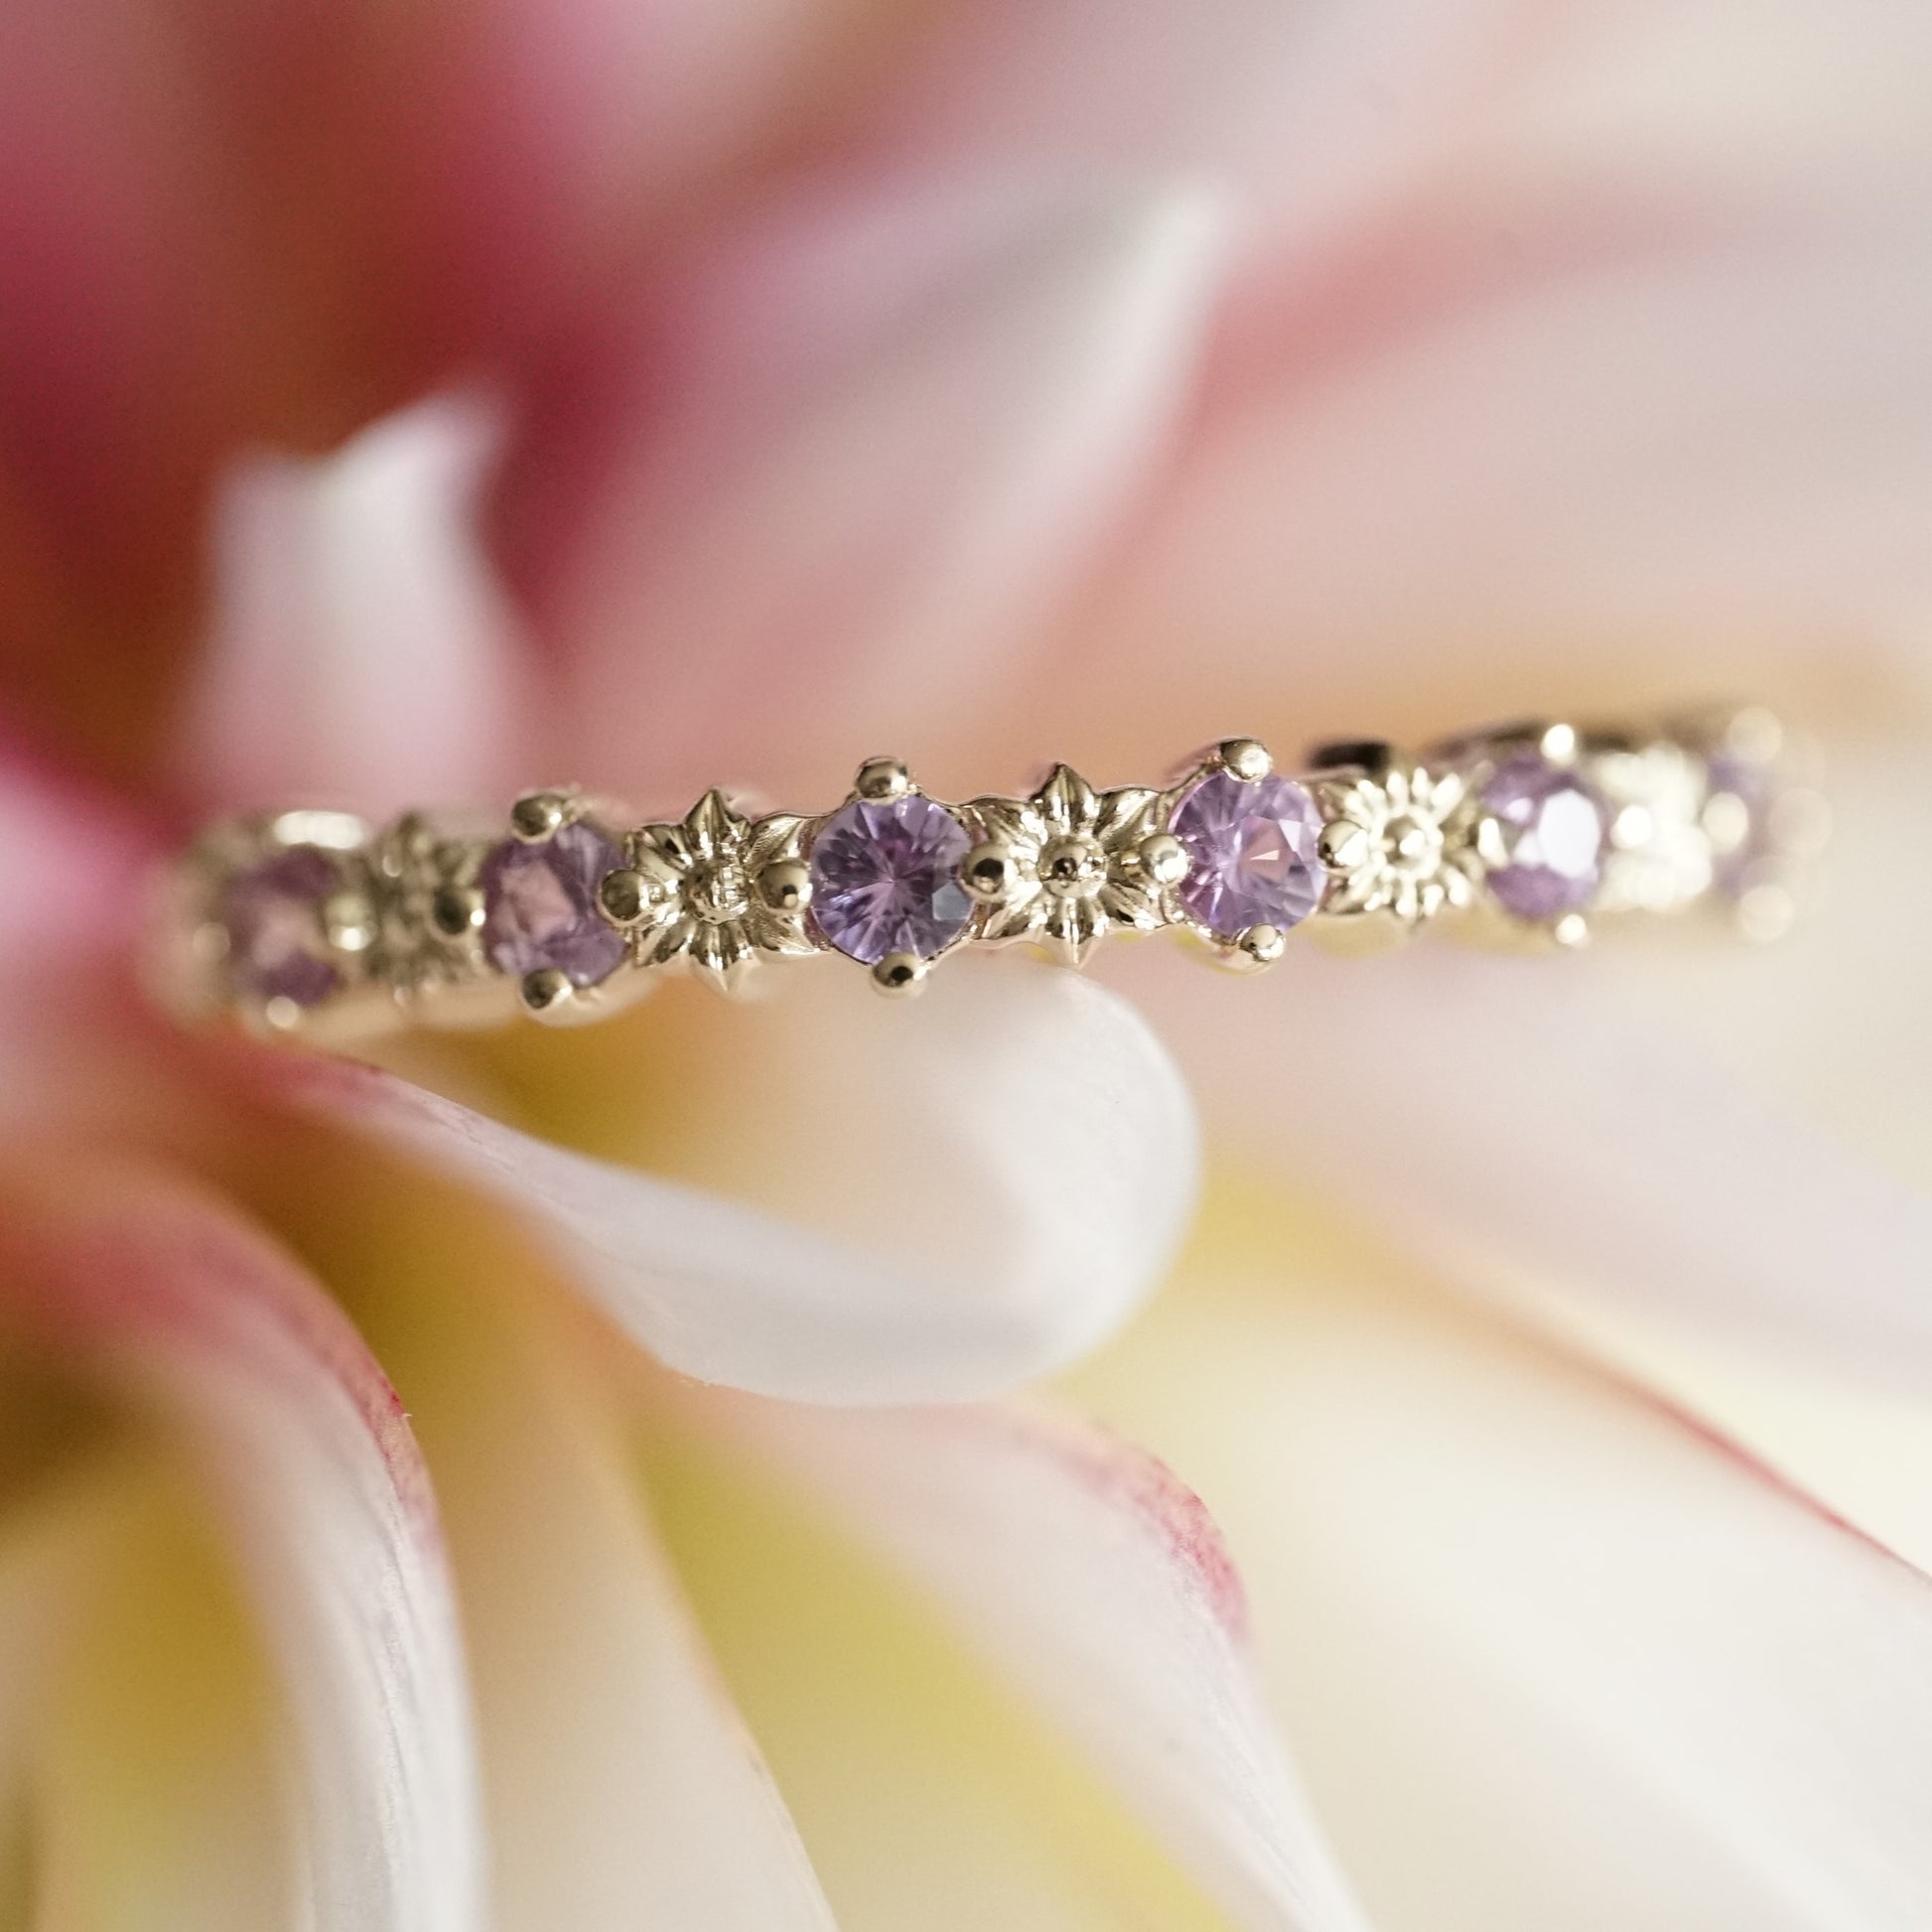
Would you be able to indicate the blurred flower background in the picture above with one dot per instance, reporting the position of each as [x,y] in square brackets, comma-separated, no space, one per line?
[564,1482]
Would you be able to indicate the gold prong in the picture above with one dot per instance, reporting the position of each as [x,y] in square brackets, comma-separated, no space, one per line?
[1162,859]
[1344,844]
[1492,841]
[539,816]
[1247,757]
[546,992]
[787,885]
[624,895]
[349,920]
[882,779]
[987,872]
[1258,947]
[899,974]
[331,831]
[456,910]
[1559,743]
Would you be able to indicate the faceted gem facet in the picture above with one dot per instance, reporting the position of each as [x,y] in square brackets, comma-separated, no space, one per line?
[1253,853]
[278,948]
[540,906]
[1556,826]
[886,878]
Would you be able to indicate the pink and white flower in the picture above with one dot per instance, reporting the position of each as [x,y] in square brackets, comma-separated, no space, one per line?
[715,391]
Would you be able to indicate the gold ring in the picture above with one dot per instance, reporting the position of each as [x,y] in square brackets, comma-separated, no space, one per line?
[312,922]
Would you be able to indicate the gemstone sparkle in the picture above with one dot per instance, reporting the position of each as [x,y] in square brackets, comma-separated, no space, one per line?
[540,906]
[277,946]
[886,878]
[1556,826]
[1253,853]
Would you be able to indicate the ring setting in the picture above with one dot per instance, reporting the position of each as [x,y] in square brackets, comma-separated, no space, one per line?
[313,922]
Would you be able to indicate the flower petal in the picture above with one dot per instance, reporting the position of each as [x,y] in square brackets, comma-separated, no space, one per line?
[363,652]
[49,1555]
[1092,1577]
[1307,113]
[983,1185]
[861,449]
[624,1789]
[321,1489]
[160,1795]
[1554,1654]
[1728,487]
[70,865]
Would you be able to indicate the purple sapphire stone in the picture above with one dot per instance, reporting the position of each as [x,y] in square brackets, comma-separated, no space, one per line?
[277,946]
[1254,853]
[886,878]
[540,906]
[1556,826]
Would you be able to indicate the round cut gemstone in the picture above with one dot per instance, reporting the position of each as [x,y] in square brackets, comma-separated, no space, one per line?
[540,906]
[1556,826]
[1253,853]
[886,878]
[278,947]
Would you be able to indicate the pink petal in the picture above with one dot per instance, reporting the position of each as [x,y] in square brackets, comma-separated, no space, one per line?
[1554,1655]
[860,449]
[546,140]
[1087,1572]
[74,879]
[72,863]
[217,222]
[362,653]
[985,1184]
[1308,113]
[624,1789]
[311,1463]
[1554,328]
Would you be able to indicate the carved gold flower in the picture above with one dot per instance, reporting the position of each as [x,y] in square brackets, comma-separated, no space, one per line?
[713,891]
[1398,842]
[1064,867]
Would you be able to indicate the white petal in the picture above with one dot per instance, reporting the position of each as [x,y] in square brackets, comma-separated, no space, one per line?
[1555,1656]
[988,1181]
[310,1459]
[624,1790]
[1092,1577]
[362,653]
[1530,1127]
[871,441]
